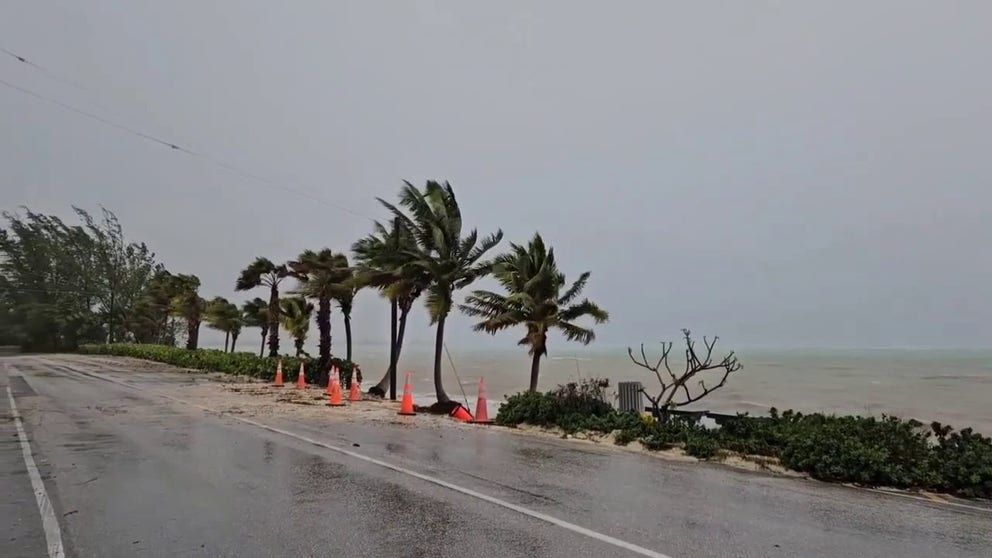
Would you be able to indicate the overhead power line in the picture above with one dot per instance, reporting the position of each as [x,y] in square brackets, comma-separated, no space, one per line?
[50,74]
[171,145]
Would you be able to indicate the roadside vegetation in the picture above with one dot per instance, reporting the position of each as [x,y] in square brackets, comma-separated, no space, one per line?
[870,451]
[212,360]
[65,285]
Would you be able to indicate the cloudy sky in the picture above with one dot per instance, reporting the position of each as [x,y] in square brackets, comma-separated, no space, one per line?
[780,173]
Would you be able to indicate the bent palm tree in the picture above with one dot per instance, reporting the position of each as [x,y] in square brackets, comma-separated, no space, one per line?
[534,299]
[262,272]
[442,253]
[345,297]
[224,316]
[295,317]
[187,304]
[256,314]
[381,257]
[320,275]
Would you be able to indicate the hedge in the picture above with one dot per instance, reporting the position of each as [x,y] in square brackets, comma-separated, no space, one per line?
[886,451]
[245,364]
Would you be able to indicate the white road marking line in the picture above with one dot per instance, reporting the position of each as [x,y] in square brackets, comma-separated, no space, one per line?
[640,550]
[946,503]
[53,535]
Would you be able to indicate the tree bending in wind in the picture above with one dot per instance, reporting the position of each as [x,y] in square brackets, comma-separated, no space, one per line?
[534,299]
[441,253]
[189,305]
[225,316]
[256,314]
[322,276]
[295,317]
[263,273]
[381,258]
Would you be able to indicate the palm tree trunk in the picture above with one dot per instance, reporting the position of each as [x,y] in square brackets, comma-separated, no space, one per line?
[227,339]
[234,340]
[397,342]
[192,334]
[399,335]
[324,346]
[299,346]
[274,321]
[347,334]
[393,352]
[535,369]
[261,351]
[442,397]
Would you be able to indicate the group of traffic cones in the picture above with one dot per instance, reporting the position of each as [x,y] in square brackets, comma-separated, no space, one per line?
[334,391]
[335,396]
[333,384]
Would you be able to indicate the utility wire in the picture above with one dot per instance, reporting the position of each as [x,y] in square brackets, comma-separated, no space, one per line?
[98,118]
[166,143]
[50,74]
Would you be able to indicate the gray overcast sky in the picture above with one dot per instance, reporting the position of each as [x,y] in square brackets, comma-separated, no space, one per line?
[780,173]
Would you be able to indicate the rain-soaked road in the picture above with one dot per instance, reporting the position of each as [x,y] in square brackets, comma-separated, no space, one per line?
[132,473]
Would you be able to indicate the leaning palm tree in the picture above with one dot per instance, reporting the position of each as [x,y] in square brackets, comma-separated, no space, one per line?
[321,275]
[534,299]
[345,297]
[295,317]
[262,272]
[442,253]
[224,316]
[255,313]
[187,304]
[380,259]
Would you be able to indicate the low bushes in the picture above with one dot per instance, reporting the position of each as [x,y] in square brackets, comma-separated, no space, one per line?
[885,451]
[245,364]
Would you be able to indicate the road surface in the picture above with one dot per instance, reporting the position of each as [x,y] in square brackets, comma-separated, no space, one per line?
[132,470]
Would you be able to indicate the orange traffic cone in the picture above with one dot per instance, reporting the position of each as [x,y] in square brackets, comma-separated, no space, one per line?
[278,382]
[331,374]
[481,408]
[356,392]
[406,405]
[301,380]
[461,413]
[335,399]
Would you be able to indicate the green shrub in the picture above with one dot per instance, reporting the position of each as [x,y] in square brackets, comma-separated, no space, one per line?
[702,446]
[625,437]
[962,462]
[587,397]
[245,364]
[573,407]
[884,451]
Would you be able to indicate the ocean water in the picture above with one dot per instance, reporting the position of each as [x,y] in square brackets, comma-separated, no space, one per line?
[950,386]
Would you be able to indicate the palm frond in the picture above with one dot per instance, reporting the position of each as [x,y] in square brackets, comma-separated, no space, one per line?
[585,308]
[575,289]
[573,332]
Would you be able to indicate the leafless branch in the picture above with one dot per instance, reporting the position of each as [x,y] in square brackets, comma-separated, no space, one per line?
[679,386]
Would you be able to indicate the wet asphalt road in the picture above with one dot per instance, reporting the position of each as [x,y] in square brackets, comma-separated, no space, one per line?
[131,473]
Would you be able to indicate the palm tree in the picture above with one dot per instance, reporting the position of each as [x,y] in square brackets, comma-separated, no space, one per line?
[345,297]
[256,314]
[450,260]
[224,316]
[262,272]
[321,275]
[295,317]
[534,298]
[187,304]
[380,257]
